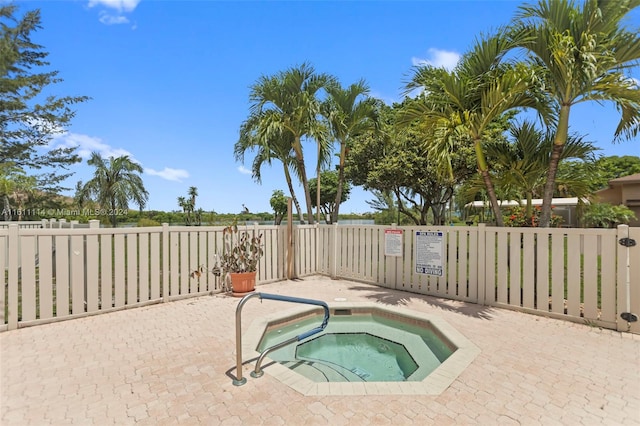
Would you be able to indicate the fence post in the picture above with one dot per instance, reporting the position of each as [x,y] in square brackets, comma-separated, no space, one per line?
[13,264]
[165,262]
[289,243]
[333,249]
[317,248]
[92,251]
[623,303]
[482,267]
[391,262]
[399,261]
[260,271]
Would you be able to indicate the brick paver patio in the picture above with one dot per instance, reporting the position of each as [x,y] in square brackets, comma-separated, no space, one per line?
[171,364]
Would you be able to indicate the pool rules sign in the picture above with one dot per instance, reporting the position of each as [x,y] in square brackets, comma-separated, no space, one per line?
[393,242]
[429,252]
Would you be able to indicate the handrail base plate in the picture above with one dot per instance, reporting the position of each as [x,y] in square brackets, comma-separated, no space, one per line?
[239,382]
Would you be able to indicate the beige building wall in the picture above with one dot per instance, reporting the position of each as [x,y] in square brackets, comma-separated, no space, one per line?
[626,191]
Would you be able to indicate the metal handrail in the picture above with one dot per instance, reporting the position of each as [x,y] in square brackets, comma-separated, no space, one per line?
[239,380]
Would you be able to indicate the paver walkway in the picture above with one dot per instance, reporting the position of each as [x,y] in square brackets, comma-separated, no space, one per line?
[170,364]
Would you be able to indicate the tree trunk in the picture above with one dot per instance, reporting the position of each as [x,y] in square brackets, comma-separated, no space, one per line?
[113,214]
[483,169]
[549,187]
[296,203]
[559,141]
[493,199]
[318,184]
[438,214]
[529,207]
[318,188]
[343,154]
[297,148]
[407,212]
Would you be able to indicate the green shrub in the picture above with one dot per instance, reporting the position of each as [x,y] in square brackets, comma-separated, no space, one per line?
[605,215]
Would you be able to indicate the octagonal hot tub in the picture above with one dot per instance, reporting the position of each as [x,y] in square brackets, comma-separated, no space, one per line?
[365,349]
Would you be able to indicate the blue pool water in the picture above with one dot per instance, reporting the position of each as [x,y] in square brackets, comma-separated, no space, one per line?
[360,348]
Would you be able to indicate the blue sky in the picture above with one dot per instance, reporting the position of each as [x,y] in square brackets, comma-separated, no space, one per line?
[169,80]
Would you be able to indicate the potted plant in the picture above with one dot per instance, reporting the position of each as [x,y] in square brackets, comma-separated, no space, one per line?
[242,251]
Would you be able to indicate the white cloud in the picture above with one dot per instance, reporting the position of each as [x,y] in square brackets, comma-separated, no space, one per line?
[122,7]
[87,144]
[107,19]
[168,173]
[438,58]
[244,170]
[119,5]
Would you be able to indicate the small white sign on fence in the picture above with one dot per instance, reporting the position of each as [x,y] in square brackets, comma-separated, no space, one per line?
[393,242]
[429,252]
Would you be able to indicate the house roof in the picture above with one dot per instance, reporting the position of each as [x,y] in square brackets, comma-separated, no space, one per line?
[572,201]
[634,178]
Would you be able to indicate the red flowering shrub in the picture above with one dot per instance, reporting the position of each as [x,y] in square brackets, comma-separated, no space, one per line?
[516,217]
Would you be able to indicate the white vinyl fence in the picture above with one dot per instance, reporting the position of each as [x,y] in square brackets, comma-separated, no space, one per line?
[45,223]
[576,274]
[580,275]
[53,273]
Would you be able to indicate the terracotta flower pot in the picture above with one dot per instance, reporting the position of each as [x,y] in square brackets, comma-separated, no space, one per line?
[242,283]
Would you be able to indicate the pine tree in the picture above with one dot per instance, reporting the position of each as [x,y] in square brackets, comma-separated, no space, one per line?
[30,115]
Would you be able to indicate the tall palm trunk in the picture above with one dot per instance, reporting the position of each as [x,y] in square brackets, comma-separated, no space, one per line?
[529,206]
[483,169]
[318,186]
[297,148]
[493,199]
[336,209]
[296,203]
[113,212]
[559,141]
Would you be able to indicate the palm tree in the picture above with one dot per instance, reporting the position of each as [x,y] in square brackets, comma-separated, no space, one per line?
[583,51]
[463,103]
[348,115]
[287,103]
[115,182]
[279,147]
[193,193]
[523,164]
[187,208]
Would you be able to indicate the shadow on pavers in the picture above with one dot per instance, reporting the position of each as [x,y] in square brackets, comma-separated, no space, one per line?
[402,298]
